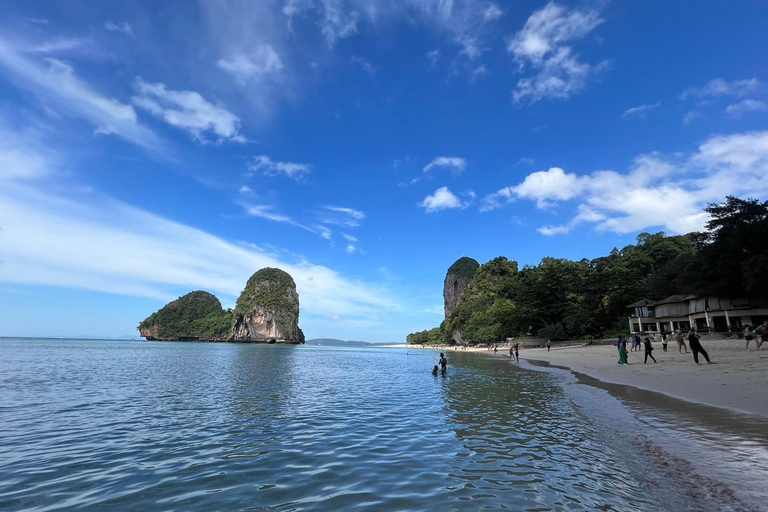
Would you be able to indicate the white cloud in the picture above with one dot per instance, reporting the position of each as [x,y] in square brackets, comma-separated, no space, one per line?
[542,45]
[342,216]
[264,165]
[123,27]
[554,230]
[433,56]
[245,189]
[267,212]
[264,60]
[349,238]
[492,12]
[442,199]
[325,233]
[746,106]
[525,161]
[449,162]
[497,199]
[545,186]
[351,249]
[23,158]
[690,116]
[657,191]
[479,71]
[95,243]
[721,87]
[470,46]
[367,66]
[641,110]
[186,110]
[337,21]
[55,84]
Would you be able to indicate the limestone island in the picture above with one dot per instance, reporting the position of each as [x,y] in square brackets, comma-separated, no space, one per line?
[267,311]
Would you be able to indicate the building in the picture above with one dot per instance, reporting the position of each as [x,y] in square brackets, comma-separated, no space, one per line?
[704,313]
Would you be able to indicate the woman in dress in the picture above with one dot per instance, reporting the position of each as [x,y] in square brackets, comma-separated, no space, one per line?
[623,355]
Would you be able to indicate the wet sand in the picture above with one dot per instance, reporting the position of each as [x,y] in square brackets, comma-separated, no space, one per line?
[736,380]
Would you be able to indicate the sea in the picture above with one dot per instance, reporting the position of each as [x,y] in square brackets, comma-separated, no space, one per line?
[172,426]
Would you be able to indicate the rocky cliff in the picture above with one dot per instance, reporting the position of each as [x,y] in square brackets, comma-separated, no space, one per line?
[267,312]
[458,277]
[195,316]
[268,309]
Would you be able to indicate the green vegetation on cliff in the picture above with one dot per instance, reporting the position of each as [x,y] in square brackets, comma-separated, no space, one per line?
[464,267]
[272,289]
[195,315]
[562,299]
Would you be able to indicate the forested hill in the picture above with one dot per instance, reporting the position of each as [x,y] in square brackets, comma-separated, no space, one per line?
[563,299]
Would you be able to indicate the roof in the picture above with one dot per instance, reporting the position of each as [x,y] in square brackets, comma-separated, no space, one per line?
[642,303]
[676,298]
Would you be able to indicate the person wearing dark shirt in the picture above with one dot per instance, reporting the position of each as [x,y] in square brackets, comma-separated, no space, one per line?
[696,348]
[648,350]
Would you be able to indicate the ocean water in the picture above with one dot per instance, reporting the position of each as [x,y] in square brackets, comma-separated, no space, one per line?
[118,425]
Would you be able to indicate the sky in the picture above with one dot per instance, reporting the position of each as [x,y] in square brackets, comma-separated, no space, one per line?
[149,149]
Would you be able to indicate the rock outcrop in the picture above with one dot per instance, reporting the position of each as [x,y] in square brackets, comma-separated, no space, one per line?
[268,309]
[459,275]
[195,316]
[267,312]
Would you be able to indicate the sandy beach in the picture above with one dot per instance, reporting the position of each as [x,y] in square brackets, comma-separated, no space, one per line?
[736,380]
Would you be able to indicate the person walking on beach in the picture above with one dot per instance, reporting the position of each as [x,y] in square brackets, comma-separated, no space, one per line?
[618,344]
[511,354]
[443,362]
[648,350]
[623,352]
[681,341]
[517,352]
[762,333]
[748,335]
[696,347]
[664,341]
[549,345]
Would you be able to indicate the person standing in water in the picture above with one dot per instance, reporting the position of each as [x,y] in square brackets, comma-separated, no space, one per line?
[517,353]
[696,347]
[648,350]
[443,362]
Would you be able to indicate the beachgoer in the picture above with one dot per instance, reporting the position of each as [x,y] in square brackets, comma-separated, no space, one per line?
[664,341]
[434,370]
[638,342]
[696,347]
[748,335]
[681,341]
[623,355]
[549,345]
[618,344]
[495,350]
[648,350]
[443,362]
[510,352]
[762,331]
[517,352]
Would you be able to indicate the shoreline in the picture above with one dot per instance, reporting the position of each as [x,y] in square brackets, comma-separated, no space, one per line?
[735,381]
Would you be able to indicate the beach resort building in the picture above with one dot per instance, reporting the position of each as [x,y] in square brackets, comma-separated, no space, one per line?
[704,313]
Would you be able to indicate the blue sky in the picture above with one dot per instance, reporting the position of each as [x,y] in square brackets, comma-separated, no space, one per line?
[148,149]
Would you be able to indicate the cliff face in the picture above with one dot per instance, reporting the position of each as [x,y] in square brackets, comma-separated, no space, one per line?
[268,309]
[458,277]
